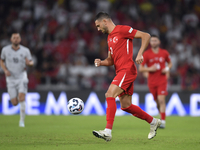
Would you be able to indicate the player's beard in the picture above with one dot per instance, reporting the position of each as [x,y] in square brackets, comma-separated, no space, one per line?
[15,45]
[155,46]
[105,30]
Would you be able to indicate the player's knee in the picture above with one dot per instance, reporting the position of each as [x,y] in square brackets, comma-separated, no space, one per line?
[161,102]
[125,105]
[14,101]
[15,104]
[21,97]
[107,94]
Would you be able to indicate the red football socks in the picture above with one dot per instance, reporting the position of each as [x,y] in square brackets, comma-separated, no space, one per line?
[162,115]
[110,111]
[138,112]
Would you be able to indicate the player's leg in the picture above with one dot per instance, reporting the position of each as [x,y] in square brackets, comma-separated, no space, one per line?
[162,108]
[154,92]
[12,91]
[21,98]
[14,101]
[111,94]
[126,105]
[22,90]
[162,92]
[157,104]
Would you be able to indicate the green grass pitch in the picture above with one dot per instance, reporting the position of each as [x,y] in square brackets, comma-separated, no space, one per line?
[75,132]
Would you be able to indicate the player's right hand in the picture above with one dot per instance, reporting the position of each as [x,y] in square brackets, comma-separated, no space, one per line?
[97,62]
[153,68]
[7,73]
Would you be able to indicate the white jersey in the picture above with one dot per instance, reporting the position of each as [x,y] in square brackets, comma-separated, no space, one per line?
[15,61]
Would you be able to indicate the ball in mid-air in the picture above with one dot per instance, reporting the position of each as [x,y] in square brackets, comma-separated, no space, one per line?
[75,106]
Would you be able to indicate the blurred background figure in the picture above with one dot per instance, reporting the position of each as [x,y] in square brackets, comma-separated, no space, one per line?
[157,73]
[14,59]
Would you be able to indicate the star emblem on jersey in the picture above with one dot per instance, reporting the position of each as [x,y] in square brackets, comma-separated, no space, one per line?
[115,39]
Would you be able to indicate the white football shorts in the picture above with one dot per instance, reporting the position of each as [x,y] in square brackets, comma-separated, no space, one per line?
[17,86]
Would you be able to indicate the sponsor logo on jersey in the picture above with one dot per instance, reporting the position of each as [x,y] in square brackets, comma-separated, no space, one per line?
[115,80]
[131,29]
[115,39]
[162,92]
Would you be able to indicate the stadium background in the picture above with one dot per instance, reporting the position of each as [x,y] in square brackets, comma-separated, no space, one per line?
[64,42]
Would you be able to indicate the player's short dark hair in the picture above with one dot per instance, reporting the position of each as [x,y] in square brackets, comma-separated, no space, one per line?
[102,15]
[156,36]
[14,32]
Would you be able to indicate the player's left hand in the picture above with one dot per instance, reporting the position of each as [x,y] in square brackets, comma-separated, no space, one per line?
[139,59]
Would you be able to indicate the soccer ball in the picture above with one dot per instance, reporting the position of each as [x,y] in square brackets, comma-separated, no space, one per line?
[75,105]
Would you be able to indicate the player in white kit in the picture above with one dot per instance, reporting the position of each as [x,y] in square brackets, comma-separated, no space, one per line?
[14,59]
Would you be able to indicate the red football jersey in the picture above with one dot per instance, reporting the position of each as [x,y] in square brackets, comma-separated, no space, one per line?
[121,47]
[159,59]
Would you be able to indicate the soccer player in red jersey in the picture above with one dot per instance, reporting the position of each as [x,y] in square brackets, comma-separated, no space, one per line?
[120,53]
[155,59]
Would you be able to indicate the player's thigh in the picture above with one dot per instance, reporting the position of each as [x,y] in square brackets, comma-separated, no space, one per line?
[161,100]
[128,90]
[23,86]
[113,91]
[162,92]
[121,82]
[22,89]
[162,89]
[12,91]
[125,100]
[21,97]
[125,80]
[154,91]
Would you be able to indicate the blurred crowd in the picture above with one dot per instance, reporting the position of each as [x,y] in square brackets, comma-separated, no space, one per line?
[64,41]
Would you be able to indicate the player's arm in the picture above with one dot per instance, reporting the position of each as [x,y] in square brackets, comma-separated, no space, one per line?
[167,68]
[29,62]
[28,58]
[3,66]
[106,62]
[147,69]
[145,37]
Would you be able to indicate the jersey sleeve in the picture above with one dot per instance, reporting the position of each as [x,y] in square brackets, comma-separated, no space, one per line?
[128,32]
[28,55]
[167,57]
[3,54]
[145,59]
